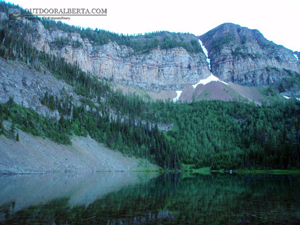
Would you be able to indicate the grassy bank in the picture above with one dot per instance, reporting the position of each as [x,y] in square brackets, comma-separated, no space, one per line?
[245,171]
[190,168]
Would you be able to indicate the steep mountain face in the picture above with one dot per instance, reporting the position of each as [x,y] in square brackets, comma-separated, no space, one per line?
[28,86]
[244,56]
[81,104]
[157,70]
[236,55]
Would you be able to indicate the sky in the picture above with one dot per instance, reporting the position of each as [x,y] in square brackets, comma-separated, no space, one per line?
[277,20]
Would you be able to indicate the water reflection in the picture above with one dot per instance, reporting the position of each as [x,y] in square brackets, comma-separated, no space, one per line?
[78,188]
[123,198]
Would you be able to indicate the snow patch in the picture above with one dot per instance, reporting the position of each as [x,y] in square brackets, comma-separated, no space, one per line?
[211,77]
[205,53]
[204,49]
[177,97]
[287,97]
[208,80]
[296,57]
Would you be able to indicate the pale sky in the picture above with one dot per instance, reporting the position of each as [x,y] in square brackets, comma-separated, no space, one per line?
[277,20]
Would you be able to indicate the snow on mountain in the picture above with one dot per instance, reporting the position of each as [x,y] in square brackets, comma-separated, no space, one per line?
[211,77]
[177,97]
[206,54]
[208,80]
[287,97]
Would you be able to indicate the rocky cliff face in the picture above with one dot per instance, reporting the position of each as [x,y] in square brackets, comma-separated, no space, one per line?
[171,69]
[237,54]
[28,86]
[244,56]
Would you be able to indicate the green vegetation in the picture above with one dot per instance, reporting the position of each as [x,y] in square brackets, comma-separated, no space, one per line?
[291,82]
[277,172]
[219,43]
[29,121]
[237,135]
[190,168]
[216,134]
[268,92]
[139,43]
[238,52]
[62,42]
[131,139]
[1,127]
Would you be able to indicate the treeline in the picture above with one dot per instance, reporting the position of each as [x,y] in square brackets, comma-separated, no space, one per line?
[14,47]
[132,138]
[217,134]
[139,43]
[238,135]
[208,133]
[291,82]
[128,137]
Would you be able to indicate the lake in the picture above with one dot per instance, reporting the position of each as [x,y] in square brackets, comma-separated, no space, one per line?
[149,198]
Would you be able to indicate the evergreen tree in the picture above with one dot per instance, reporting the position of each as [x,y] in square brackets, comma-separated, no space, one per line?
[18,138]
[12,130]
[1,128]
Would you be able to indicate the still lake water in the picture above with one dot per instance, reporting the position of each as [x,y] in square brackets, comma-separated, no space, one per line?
[137,198]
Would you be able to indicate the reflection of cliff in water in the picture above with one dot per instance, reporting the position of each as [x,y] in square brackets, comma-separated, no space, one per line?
[168,199]
[80,189]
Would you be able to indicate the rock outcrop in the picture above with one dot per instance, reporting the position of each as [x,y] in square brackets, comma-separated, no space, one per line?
[157,70]
[237,54]
[244,56]
[27,87]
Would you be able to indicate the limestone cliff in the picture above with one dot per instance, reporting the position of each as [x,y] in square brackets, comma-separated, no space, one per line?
[237,54]
[27,87]
[244,56]
[160,69]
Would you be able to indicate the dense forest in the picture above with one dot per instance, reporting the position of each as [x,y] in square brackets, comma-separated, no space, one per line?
[212,134]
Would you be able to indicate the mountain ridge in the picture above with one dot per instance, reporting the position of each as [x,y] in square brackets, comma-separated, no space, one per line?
[167,61]
[247,59]
[233,133]
[244,56]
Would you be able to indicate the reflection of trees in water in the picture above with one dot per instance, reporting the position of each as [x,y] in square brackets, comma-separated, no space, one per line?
[172,199]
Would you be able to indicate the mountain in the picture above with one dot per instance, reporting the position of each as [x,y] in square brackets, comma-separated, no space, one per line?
[160,68]
[60,82]
[245,57]
[165,61]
